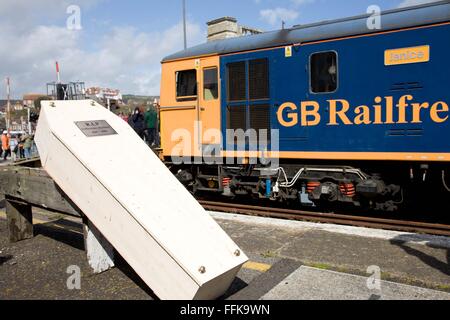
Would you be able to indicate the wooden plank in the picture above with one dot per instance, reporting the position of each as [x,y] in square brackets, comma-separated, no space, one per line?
[20,220]
[36,187]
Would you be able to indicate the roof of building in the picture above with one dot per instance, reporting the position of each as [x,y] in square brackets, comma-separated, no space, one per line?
[215,21]
[391,20]
[33,96]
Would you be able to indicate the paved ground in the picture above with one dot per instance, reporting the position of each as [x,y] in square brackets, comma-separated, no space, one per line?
[317,284]
[37,268]
[406,258]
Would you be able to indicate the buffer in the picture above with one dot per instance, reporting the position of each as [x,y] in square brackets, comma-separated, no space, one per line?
[135,202]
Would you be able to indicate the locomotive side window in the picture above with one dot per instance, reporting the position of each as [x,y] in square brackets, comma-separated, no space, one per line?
[210,84]
[186,84]
[258,79]
[236,81]
[324,72]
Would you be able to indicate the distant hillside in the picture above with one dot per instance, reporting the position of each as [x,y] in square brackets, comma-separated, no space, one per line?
[135,98]
[3,103]
[134,101]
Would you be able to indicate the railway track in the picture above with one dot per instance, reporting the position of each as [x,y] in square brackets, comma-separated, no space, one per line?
[351,220]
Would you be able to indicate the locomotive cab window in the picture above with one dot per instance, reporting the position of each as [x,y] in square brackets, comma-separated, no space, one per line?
[324,72]
[210,84]
[186,82]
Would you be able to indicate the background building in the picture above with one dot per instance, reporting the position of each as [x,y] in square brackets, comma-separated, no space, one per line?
[29,99]
[107,97]
[227,27]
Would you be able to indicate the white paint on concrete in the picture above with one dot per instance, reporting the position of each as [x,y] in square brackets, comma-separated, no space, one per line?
[100,253]
[407,237]
[308,283]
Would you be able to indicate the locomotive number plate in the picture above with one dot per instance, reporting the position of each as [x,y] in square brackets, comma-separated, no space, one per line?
[407,55]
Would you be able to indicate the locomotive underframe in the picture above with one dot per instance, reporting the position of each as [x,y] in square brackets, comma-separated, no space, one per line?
[385,186]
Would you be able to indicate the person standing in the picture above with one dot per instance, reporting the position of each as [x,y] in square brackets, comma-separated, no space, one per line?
[123,116]
[5,145]
[14,147]
[27,144]
[20,151]
[150,118]
[137,122]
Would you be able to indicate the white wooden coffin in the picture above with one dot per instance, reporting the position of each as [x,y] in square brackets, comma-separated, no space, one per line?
[135,202]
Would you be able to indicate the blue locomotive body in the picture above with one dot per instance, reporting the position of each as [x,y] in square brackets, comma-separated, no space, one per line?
[367,87]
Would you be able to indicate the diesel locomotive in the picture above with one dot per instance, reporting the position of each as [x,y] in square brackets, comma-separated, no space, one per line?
[318,115]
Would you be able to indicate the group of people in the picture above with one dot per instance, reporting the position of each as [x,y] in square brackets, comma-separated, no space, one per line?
[16,147]
[145,124]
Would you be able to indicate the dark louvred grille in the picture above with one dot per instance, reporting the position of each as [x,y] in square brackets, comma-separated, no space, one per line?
[243,111]
[258,79]
[236,81]
[237,118]
[260,118]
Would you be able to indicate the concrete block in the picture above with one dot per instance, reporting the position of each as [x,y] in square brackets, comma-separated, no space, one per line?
[100,253]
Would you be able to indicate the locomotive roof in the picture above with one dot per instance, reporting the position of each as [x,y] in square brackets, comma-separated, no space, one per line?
[390,20]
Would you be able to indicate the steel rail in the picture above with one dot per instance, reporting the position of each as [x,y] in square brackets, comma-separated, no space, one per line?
[301,215]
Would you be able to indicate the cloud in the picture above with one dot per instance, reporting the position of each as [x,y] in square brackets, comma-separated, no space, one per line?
[275,16]
[25,13]
[16,8]
[410,3]
[123,58]
[301,2]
